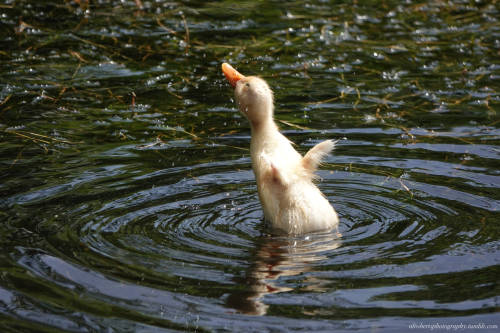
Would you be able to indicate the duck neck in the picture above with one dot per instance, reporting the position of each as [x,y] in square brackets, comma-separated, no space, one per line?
[264,120]
[263,126]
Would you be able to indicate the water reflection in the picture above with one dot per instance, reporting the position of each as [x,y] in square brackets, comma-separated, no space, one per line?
[127,200]
[277,258]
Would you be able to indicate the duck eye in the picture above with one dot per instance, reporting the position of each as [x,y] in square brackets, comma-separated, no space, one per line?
[247,84]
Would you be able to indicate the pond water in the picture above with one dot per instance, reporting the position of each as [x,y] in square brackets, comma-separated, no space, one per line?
[127,200]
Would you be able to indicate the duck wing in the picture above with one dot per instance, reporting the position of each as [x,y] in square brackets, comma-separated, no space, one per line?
[316,154]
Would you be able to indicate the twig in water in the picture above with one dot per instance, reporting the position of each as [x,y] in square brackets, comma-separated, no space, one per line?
[35,137]
[186,36]
[5,100]
[293,125]
[165,27]
[405,187]
[324,101]
[133,99]
[18,157]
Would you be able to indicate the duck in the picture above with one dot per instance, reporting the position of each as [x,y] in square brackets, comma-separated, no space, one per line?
[290,199]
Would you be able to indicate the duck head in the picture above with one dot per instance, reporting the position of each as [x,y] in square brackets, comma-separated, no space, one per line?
[252,94]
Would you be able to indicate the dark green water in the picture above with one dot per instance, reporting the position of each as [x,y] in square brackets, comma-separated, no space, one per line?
[127,201]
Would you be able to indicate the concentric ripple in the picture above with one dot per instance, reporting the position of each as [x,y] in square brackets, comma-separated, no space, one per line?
[127,198]
[178,250]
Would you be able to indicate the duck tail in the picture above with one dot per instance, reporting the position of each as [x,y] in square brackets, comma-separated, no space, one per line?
[316,154]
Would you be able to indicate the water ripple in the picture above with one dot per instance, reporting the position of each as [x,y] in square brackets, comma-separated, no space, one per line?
[127,198]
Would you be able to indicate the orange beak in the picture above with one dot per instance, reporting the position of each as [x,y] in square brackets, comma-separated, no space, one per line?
[232,75]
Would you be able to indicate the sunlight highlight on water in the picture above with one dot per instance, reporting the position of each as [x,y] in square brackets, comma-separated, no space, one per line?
[127,197]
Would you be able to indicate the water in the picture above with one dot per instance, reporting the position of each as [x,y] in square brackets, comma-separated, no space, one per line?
[127,199]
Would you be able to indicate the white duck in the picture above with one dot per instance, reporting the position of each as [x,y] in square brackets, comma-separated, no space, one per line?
[289,198]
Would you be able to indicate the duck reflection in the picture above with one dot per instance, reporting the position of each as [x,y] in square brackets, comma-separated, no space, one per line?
[278,257]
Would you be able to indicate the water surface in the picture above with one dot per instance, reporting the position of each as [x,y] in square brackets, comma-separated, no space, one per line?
[127,199]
